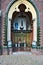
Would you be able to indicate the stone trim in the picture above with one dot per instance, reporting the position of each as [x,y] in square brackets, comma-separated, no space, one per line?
[11,3]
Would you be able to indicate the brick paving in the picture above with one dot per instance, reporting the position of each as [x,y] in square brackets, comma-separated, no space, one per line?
[33,51]
[33,57]
[21,59]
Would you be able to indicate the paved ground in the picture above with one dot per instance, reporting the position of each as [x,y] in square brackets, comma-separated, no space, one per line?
[21,59]
[35,57]
[33,51]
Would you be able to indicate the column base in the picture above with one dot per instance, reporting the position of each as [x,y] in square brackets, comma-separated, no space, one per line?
[9,44]
[9,48]
[34,44]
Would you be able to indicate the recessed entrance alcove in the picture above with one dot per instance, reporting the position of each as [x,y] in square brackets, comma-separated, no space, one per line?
[21,28]
[22,20]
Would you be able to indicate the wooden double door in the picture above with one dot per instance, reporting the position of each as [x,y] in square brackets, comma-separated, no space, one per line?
[22,38]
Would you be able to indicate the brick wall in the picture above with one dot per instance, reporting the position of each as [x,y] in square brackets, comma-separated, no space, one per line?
[0,23]
[38,3]
[4,4]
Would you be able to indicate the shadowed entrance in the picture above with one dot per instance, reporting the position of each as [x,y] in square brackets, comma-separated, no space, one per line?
[21,29]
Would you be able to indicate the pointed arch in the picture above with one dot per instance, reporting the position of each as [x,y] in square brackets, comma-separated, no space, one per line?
[13,7]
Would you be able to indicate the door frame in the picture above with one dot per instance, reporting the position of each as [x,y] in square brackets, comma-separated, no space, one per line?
[9,17]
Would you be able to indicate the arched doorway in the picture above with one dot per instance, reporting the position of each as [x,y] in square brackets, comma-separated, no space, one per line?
[22,28]
[14,9]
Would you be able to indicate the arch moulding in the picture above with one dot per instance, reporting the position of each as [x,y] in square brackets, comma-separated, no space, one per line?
[12,7]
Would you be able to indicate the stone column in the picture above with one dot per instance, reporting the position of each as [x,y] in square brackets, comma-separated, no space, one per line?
[34,32]
[9,36]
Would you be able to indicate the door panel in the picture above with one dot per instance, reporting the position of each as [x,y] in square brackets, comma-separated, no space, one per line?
[22,37]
